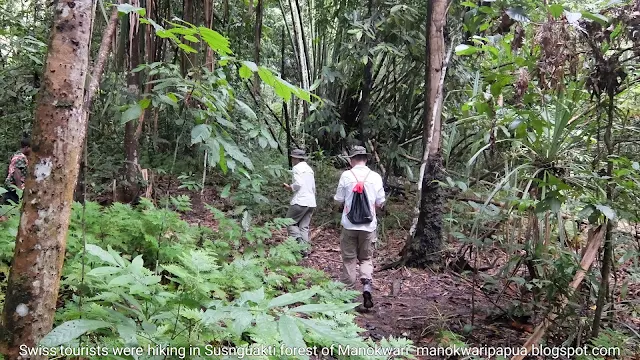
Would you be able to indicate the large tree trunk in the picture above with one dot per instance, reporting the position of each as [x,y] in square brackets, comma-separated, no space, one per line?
[130,130]
[424,249]
[58,134]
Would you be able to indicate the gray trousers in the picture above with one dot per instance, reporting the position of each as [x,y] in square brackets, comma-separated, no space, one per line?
[302,216]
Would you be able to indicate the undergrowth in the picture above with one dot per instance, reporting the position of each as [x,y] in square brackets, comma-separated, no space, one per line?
[152,280]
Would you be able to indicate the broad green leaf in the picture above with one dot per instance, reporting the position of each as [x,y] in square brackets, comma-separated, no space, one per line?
[128,334]
[145,103]
[104,271]
[137,263]
[603,20]
[191,38]
[325,331]
[223,161]
[246,221]
[607,211]
[232,150]
[263,142]
[71,330]
[152,23]
[101,254]
[128,8]
[290,298]
[283,91]
[245,72]
[313,308]
[200,133]
[226,191]
[165,34]
[463,49]
[122,280]
[132,113]
[241,321]
[187,48]
[246,110]
[213,157]
[616,32]
[168,100]
[172,96]
[265,132]
[291,335]
[556,10]
[217,42]
[517,14]
[255,296]
[250,65]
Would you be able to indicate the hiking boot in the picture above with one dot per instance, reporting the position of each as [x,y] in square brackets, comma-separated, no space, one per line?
[305,252]
[366,293]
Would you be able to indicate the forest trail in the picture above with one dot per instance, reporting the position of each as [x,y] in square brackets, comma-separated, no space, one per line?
[414,303]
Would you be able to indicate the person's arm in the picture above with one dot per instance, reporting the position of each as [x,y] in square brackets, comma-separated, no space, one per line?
[297,181]
[339,196]
[291,187]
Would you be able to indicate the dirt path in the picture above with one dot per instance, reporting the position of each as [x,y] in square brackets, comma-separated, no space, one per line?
[417,304]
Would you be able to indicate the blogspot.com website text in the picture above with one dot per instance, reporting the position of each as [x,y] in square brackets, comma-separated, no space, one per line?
[548,352]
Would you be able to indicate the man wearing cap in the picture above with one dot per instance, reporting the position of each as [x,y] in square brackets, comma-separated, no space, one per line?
[303,202]
[356,239]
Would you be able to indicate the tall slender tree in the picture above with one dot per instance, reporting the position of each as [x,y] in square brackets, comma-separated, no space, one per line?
[58,135]
[424,247]
[130,130]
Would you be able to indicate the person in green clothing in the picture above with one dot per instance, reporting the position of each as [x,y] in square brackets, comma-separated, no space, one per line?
[17,172]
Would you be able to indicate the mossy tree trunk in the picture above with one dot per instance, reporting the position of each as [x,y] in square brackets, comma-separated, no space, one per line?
[425,247]
[58,134]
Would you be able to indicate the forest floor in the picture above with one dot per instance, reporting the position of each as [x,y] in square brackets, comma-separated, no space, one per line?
[418,304]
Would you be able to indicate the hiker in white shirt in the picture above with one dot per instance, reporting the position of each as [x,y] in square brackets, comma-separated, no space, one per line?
[356,239]
[303,202]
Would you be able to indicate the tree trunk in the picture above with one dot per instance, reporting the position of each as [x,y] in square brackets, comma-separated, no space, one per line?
[256,46]
[607,258]
[424,249]
[58,134]
[130,188]
[285,111]
[304,72]
[96,75]
[208,19]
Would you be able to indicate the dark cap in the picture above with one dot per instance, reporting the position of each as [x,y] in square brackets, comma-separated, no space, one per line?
[357,150]
[298,154]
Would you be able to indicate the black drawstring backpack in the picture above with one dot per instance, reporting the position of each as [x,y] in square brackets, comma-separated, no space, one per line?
[360,211]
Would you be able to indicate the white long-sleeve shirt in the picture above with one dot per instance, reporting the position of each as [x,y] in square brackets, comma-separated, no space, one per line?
[304,185]
[372,186]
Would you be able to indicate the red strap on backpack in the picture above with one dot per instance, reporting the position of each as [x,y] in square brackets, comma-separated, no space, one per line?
[359,187]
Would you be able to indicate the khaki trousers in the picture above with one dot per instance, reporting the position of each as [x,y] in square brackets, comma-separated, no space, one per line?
[356,247]
[302,216]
